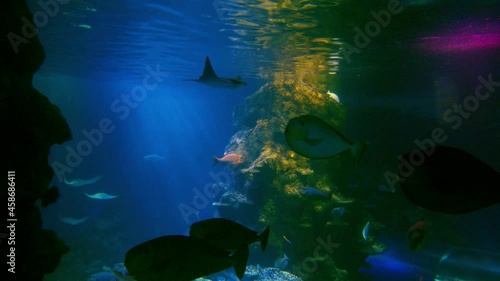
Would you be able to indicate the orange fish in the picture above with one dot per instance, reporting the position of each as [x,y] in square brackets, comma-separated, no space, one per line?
[416,235]
[231,158]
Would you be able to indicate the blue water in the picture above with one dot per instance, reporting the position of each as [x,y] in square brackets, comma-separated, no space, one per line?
[97,52]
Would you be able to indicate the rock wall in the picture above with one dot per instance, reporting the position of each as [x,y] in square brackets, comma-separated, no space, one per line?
[31,125]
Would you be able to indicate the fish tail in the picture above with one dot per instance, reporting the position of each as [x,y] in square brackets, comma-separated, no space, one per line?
[357,150]
[264,237]
[239,260]
[216,160]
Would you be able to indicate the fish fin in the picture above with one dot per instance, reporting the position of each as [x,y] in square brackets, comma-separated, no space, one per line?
[357,150]
[208,72]
[264,237]
[216,160]
[239,260]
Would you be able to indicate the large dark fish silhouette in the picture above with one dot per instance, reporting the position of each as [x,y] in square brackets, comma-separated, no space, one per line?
[226,234]
[448,180]
[181,258]
[211,79]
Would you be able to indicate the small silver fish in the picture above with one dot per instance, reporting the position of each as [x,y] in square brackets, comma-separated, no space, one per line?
[338,211]
[220,204]
[366,230]
[281,263]
[286,239]
[86,26]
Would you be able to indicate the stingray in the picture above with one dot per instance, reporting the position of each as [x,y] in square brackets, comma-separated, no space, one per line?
[211,79]
[101,196]
[72,221]
[153,157]
[81,182]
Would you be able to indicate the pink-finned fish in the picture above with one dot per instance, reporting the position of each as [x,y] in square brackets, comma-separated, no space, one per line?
[231,158]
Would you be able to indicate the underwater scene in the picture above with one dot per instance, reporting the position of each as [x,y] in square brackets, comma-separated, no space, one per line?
[265,140]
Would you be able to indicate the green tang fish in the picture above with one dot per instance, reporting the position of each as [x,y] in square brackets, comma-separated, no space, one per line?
[181,258]
[311,137]
[226,234]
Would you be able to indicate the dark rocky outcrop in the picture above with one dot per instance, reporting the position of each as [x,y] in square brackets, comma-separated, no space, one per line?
[31,125]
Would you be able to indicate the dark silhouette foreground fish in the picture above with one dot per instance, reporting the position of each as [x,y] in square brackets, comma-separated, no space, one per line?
[314,138]
[209,78]
[226,234]
[448,180]
[181,258]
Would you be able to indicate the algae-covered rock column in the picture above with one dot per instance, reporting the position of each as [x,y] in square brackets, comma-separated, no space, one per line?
[320,245]
[31,125]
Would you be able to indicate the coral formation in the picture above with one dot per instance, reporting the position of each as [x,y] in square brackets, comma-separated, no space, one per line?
[272,174]
[268,274]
